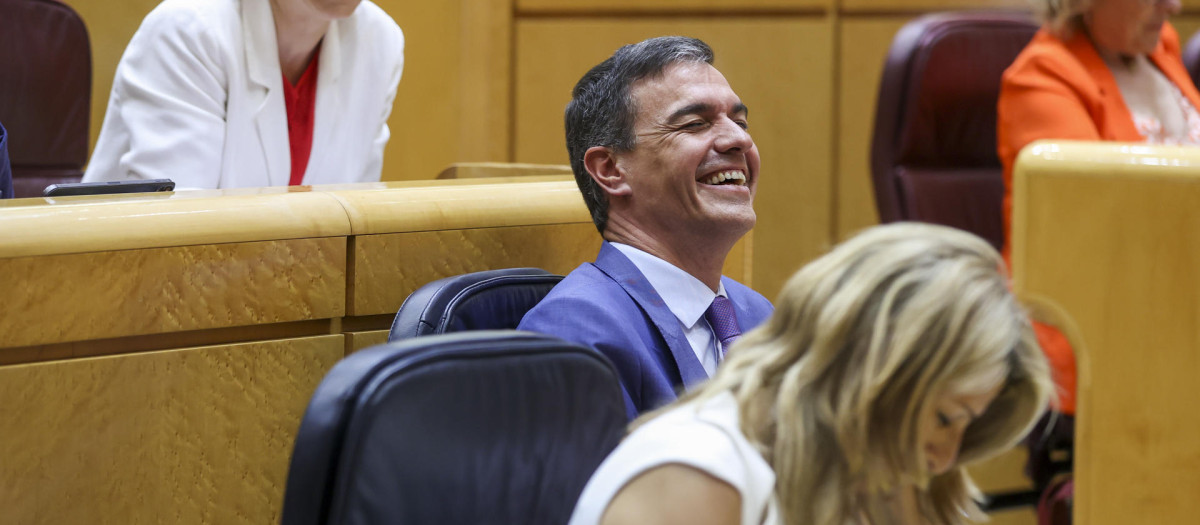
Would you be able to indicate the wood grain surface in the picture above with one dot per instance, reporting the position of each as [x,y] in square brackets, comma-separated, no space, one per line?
[1105,235]
[61,298]
[198,435]
[389,267]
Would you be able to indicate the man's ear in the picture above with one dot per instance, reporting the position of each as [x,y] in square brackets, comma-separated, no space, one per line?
[601,164]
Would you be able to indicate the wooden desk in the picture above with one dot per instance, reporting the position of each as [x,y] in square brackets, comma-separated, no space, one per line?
[158,350]
[1106,239]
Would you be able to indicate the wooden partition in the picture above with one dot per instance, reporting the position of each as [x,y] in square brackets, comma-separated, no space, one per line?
[1107,243]
[157,351]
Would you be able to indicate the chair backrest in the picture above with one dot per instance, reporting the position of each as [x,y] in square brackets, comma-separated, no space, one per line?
[478,427]
[1191,57]
[487,300]
[45,92]
[933,154]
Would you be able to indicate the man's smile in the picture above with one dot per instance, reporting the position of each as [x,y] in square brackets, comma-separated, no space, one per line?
[735,177]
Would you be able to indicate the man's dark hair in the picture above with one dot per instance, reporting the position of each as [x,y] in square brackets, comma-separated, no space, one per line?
[602,112]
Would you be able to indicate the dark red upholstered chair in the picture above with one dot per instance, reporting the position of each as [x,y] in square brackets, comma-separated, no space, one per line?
[45,92]
[933,155]
[1191,57]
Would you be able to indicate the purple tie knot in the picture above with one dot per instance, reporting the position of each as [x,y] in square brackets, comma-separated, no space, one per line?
[723,320]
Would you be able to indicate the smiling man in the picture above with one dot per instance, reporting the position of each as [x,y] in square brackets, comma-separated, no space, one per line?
[661,151]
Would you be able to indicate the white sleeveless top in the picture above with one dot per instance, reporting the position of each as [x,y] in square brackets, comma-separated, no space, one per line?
[705,437]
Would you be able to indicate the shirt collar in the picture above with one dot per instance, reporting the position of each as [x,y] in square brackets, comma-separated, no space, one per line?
[684,294]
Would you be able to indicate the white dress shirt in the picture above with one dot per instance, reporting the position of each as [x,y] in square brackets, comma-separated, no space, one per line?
[686,297]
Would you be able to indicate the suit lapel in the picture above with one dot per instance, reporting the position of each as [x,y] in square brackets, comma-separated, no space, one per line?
[620,269]
[266,99]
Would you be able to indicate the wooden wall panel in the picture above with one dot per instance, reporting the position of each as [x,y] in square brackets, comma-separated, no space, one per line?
[1186,25]
[200,435]
[863,46]
[930,5]
[74,297]
[389,267]
[787,88]
[356,341]
[660,6]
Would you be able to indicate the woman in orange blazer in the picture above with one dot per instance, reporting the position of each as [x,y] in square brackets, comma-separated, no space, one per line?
[1097,70]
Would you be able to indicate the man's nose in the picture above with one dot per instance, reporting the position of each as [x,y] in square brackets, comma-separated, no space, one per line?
[733,137]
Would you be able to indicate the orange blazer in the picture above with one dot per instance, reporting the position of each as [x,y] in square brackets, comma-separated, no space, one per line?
[1063,90]
[1059,89]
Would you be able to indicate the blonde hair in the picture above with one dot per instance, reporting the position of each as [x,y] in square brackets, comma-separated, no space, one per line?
[831,388]
[1061,17]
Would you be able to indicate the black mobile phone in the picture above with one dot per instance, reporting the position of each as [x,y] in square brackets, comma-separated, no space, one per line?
[107,187]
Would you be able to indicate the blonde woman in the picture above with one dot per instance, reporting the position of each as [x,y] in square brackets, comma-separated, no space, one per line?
[887,365]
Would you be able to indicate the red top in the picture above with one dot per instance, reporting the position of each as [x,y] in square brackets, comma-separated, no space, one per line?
[299,101]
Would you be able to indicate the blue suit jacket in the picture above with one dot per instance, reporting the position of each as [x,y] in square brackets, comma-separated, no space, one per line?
[6,187]
[610,306]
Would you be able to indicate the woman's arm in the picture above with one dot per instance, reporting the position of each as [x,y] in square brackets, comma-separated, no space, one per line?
[675,494]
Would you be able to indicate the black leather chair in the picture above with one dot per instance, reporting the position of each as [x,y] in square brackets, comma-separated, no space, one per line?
[45,92]
[487,300]
[477,427]
[933,154]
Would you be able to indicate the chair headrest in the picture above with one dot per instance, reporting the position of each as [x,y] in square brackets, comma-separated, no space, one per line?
[488,300]
[473,427]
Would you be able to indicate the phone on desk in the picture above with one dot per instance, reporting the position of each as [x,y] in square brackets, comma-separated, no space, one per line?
[109,187]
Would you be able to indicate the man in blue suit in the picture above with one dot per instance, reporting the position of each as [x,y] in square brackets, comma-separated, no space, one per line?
[661,152]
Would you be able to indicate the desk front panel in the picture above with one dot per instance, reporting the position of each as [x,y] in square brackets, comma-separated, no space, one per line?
[196,435]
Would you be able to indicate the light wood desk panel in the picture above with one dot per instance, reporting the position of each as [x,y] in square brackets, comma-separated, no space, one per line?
[781,67]
[199,435]
[1108,236]
[49,226]
[387,268]
[356,341]
[76,297]
[464,203]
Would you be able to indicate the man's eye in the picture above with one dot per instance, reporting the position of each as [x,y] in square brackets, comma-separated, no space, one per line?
[743,124]
[694,124]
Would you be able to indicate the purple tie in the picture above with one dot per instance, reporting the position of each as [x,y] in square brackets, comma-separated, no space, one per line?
[723,320]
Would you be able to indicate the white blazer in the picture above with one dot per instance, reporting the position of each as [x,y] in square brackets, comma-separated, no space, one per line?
[198,98]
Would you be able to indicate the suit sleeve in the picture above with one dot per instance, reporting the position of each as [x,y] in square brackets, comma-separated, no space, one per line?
[171,90]
[590,323]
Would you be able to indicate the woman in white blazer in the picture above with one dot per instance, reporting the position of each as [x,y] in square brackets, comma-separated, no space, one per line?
[198,95]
